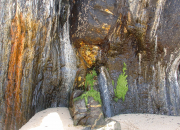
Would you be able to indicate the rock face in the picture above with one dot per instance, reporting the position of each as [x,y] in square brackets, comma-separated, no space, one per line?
[140,38]
[90,115]
[47,48]
[38,62]
[152,63]
[91,20]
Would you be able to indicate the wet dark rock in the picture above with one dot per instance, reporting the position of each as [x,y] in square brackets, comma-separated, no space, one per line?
[90,115]
[106,91]
[101,58]
[91,20]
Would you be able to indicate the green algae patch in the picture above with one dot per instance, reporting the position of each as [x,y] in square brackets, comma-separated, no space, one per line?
[90,79]
[91,93]
[122,85]
[113,82]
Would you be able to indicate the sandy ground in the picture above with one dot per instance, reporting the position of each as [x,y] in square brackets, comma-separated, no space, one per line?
[60,119]
[51,119]
[148,122]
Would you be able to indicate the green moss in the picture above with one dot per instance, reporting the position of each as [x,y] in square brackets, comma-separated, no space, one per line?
[113,82]
[91,93]
[122,85]
[90,79]
[115,99]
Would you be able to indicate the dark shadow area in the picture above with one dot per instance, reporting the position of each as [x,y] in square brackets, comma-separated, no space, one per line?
[178,75]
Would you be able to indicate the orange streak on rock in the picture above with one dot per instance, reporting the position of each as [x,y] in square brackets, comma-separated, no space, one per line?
[13,90]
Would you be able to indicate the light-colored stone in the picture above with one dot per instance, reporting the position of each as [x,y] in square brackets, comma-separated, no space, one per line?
[111,125]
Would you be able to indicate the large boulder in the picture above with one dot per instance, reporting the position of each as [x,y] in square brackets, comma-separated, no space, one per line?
[90,115]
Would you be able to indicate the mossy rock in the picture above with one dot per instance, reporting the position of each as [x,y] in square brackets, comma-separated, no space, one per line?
[90,115]
[90,80]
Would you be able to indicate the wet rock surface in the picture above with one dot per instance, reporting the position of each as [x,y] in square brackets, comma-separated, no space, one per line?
[47,48]
[91,20]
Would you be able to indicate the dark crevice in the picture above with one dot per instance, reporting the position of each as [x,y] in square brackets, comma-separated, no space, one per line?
[178,75]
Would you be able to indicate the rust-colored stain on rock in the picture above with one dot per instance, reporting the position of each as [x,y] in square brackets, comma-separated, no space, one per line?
[13,99]
[13,91]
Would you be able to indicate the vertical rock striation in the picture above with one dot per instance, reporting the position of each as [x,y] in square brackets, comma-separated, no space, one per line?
[14,76]
[38,63]
[150,51]
[144,35]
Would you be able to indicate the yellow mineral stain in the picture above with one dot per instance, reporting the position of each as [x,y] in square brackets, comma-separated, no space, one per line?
[89,53]
[106,27]
[95,106]
[129,18]
[108,11]
[80,85]
[125,30]
[82,43]
[79,78]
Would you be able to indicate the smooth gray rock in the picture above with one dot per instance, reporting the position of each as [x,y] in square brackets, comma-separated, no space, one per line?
[106,91]
[111,125]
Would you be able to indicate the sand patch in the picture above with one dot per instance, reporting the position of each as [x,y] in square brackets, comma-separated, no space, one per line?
[51,119]
[59,119]
[148,122]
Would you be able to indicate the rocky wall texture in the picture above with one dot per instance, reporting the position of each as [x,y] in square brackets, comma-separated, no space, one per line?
[38,63]
[47,48]
[144,35]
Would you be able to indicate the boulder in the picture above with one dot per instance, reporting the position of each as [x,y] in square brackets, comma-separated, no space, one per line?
[89,115]
[111,125]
